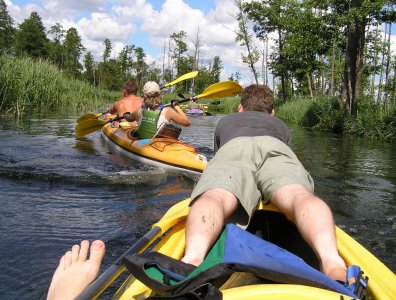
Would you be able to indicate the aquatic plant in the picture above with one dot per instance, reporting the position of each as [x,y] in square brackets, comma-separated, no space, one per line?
[27,84]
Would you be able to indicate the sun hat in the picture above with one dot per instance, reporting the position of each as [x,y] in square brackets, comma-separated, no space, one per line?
[151,88]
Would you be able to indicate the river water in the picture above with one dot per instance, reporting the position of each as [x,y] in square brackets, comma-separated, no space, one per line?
[56,189]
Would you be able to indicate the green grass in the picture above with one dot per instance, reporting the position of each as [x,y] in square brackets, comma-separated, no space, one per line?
[326,114]
[27,84]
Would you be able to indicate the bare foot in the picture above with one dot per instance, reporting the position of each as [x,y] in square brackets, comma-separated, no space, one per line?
[76,271]
[335,270]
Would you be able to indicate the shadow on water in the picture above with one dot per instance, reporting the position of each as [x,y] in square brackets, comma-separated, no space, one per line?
[56,189]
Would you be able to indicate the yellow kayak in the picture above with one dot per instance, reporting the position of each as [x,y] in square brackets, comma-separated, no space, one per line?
[168,237]
[168,153]
[381,282]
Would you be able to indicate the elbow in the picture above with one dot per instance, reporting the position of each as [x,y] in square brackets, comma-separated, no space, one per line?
[186,122]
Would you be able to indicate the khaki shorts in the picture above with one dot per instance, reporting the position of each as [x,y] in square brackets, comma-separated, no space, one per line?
[252,168]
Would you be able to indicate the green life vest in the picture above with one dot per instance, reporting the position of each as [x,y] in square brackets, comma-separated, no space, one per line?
[148,126]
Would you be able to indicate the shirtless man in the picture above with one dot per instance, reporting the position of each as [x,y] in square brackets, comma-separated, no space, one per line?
[129,103]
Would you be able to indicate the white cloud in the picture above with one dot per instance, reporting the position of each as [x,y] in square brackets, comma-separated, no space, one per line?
[120,20]
[101,26]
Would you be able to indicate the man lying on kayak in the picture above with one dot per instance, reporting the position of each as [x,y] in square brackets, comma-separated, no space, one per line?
[253,161]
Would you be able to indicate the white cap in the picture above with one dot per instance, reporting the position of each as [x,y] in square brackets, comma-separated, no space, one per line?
[151,88]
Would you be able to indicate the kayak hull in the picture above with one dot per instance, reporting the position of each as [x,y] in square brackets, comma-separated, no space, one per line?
[381,284]
[167,153]
[195,112]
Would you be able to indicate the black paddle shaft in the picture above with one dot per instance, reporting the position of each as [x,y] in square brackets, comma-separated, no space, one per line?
[93,290]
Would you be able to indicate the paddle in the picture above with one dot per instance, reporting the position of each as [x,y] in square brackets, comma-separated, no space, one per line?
[90,116]
[92,125]
[217,90]
[177,80]
[181,78]
[175,214]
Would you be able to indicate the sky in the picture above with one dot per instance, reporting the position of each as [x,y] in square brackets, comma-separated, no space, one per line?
[145,23]
[148,24]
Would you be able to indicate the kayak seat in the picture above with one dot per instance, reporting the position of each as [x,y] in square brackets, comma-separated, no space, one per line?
[236,250]
[168,130]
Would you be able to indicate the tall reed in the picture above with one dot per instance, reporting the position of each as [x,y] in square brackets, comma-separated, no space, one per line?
[27,84]
[326,114]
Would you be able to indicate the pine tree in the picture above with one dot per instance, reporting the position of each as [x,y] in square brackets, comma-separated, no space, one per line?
[73,50]
[31,38]
[7,31]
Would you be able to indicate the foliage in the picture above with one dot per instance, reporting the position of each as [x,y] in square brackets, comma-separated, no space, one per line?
[27,84]
[326,114]
[73,50]
[31,38]
[225,106]
[7,30]
[374,124]
[245,38]
[56,52]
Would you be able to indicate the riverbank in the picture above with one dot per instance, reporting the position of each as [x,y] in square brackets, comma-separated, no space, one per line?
[324,114]
[26,85]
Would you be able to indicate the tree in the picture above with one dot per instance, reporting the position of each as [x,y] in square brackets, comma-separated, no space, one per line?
[89,65]
[140,66]
[178,50]
[107,51]
[125,61]
[235,76]
[268,16]
[56,52]
[31,39]
[7,30]
[352,18]
[216,69]
[245,38]
[73,50]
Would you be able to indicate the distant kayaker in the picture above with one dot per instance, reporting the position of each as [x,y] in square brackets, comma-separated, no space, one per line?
[150,117]
[253,161]
[129,103]
[194,104]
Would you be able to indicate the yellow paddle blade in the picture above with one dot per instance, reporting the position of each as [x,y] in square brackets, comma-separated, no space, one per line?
[181,78]
[88,116]
[221,89]
[174,214]
[89,126]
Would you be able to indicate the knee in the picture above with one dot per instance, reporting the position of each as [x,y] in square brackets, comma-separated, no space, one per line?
[217,198]
[294,197]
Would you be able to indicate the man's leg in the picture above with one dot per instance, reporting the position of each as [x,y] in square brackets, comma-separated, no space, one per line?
[314,220]
[76,270]
[205,222]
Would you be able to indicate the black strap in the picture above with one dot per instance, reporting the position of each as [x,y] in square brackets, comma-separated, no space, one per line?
[203,292]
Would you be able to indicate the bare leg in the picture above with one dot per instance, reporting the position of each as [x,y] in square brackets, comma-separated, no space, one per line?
[314,220]
[75,271]
[205,222]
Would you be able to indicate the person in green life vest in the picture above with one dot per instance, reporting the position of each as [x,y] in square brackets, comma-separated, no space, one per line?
[150,117]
